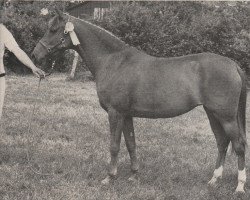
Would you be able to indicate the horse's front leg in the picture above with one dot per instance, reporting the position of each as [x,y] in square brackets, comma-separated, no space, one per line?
[129,135]
[116,122]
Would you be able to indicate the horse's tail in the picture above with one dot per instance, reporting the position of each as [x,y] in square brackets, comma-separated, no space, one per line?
[241,115]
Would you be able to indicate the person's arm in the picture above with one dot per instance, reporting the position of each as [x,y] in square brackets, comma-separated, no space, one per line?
[11,44]
[22,57]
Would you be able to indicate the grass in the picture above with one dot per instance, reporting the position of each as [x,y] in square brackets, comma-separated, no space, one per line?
[65,155]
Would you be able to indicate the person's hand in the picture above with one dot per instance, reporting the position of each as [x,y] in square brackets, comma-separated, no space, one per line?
[38,72]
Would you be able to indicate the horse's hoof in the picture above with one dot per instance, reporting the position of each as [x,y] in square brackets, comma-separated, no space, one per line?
[212,183]
[106,181]
[133,178]
[240,189]
[239,192]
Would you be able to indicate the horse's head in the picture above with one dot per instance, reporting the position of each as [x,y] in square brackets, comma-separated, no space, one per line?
[55,39]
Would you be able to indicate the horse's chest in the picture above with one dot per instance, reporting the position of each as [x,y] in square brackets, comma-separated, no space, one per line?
[114,95]
[103,95]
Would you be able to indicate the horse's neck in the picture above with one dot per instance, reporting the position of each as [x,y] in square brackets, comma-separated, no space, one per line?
[96,44]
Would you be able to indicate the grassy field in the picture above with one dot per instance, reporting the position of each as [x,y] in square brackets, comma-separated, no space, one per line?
[65,155]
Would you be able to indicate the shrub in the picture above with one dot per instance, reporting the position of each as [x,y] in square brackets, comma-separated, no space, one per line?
[180,28]
[26,24]
[159,28]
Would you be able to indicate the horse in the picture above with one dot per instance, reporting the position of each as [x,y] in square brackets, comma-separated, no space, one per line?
[131,83]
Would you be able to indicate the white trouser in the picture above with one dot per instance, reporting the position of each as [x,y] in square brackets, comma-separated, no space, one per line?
[2,94]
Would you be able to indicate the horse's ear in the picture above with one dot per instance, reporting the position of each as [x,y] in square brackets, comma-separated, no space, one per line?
[59,12]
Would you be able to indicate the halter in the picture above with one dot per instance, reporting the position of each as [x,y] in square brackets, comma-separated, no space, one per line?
[49,49]
[71,33]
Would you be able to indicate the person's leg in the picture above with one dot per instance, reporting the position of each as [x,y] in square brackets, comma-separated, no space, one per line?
[2,94]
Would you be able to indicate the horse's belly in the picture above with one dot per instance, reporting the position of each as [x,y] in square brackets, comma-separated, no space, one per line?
[160,114]
[163,109]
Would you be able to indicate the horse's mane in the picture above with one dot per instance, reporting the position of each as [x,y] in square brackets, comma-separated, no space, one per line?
[55,23]
[94,25]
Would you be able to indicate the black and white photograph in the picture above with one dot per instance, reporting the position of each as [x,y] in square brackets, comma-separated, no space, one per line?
[124,100]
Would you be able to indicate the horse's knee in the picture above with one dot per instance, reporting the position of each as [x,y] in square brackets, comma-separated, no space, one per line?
[114,149]
[131,148]
[223,145]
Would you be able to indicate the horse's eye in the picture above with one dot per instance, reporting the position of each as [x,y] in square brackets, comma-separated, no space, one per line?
[62,40]
[65,32]
[49,49]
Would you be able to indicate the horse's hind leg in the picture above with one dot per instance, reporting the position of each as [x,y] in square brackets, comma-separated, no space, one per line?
[222,141]
[232,129]
[129,135]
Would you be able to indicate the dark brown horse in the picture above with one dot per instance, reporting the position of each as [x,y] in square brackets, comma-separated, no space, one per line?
[131,84]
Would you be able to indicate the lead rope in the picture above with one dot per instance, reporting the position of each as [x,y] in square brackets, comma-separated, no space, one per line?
[29,134]
[28,149]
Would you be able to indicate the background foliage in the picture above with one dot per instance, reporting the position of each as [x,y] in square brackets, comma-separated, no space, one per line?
[24,20]
[158,28]
[180,28]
